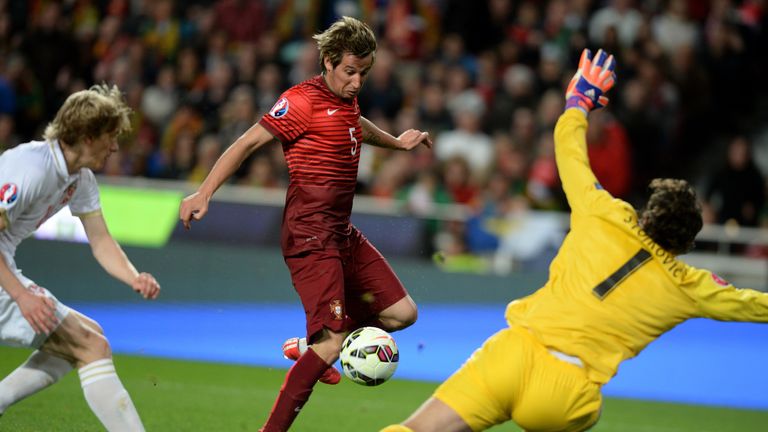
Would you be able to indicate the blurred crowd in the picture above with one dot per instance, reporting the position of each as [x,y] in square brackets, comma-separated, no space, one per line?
[484,77]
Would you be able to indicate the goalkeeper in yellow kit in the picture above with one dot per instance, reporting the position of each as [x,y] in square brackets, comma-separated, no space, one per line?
[614,287]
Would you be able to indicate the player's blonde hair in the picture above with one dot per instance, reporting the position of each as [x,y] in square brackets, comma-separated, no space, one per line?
[672,215]
[89,114]
[346,36]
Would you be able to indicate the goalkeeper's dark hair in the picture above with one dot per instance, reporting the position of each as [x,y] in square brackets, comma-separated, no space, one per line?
[672,215]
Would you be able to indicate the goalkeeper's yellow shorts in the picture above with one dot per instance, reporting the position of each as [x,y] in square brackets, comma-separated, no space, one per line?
[513,376]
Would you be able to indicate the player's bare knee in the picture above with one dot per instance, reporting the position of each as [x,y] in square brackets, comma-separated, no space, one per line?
[404,319]
[410,318]
[96,327]
[96,347]
[400,315]
[89,323]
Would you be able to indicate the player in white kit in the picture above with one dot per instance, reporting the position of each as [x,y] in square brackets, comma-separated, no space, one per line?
[37,179]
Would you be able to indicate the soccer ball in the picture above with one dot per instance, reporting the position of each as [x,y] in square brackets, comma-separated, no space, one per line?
[369,356]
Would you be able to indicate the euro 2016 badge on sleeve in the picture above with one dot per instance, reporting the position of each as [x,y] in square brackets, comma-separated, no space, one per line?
[280,109]
[9,193]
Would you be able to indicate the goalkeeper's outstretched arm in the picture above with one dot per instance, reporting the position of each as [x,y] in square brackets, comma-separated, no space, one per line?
[585,92]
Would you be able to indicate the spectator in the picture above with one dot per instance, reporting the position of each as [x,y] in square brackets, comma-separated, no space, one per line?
[736,193]
[8,137]
[382,92]
[260,173]
[7,93]
[457,178]
[412,28]
[208,151]
[679,58]
[486,225]
[238,114]
[433,113]
[542,183]
[620,16]
[161,32]
[467,140]
[304,66]
[645,134]
[726,56]
[391,176]
[518,91]
[673,28]
[244,21]
[161,99]
[511,163]
[189,77]
[609,154]
[49,49]
[110,43]
[269,81]
[246,64]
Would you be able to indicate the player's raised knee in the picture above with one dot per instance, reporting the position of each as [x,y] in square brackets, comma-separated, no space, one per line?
[409,318]
[96,346]
[400,315]
[96,327]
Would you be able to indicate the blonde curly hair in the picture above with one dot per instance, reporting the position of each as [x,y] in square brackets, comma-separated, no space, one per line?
[89,114]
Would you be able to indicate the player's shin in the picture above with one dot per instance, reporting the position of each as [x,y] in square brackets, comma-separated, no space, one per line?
[108,398]
[38,372]
[295,392]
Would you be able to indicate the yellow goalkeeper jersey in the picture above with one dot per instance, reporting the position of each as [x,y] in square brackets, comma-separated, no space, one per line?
[611,289]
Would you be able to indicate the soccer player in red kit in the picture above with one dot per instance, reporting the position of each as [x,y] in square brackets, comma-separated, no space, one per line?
[342,280]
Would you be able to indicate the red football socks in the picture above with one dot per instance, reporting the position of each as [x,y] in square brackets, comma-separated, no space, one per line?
[295,391]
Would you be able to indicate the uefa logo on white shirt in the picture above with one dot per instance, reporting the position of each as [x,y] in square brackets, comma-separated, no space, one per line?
[8,194]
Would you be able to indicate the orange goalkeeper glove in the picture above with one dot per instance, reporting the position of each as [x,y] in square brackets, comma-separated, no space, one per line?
[593,79]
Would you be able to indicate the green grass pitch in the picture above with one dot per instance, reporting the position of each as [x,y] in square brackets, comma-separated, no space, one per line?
[176,396]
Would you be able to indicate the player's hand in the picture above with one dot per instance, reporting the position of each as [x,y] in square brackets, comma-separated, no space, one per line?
[38,310]
[412,138]
[146,285]
[193,207]
[590,83]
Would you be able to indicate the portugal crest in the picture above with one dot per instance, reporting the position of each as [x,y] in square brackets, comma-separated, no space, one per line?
[337,310]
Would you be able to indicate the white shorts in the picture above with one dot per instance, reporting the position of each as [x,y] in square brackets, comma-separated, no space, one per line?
[14,328]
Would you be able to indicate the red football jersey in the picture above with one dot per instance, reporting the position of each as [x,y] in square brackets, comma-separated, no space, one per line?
[321,137]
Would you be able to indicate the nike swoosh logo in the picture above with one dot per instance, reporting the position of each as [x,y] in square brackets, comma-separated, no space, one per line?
[332,112]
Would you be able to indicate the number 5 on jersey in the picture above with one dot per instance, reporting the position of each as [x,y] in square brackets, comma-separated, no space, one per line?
[354,140]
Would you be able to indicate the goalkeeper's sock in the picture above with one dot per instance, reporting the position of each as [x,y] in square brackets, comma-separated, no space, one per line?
[295,392]
[108,398]
[38,372]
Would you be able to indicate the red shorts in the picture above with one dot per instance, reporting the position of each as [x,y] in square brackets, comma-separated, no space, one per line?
[341,288]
